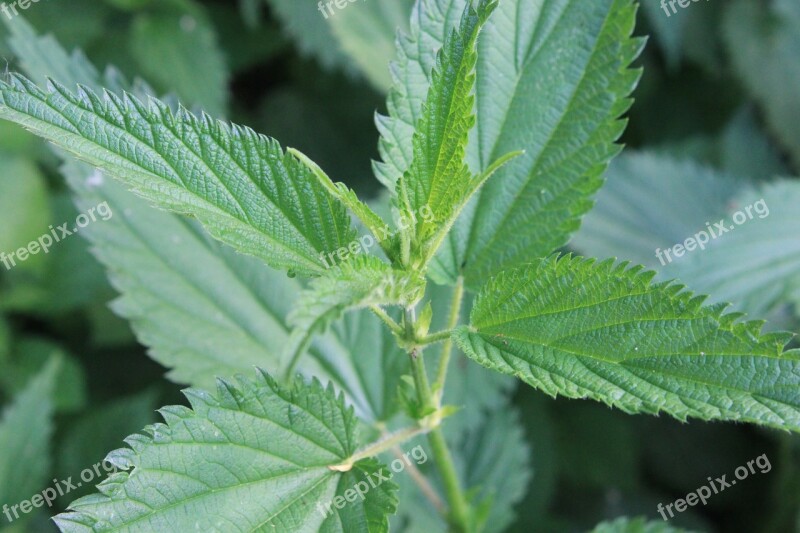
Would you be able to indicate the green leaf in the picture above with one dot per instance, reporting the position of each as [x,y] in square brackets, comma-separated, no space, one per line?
[314,36]
[30,355]
[179,52]
[88,438]
[652,200]
[357,39]
[636,525]
[43,58]
[236,301]
[371,220]
[438,180]
[668,30]
[566,123]
[656,202]
[357,283]
[571,327]
[265,447]
[367,32]
[25,431]
[757,266]
[239,184]
[375,376]
[763,41]
[65,279]
[5,340]
[747,151]
[495,459]
[24,209]
[239,304]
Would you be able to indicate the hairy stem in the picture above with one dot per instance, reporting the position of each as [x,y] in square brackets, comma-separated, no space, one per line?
[435,337]
[447,347]
[384,316]
[458,515]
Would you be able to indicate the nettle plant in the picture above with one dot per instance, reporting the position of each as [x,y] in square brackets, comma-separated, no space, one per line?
[502,119]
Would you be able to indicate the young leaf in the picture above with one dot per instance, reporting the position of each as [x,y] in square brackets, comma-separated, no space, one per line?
[262,446]
[438,178]
[239,184]
[566,123]
[371,220]
[357,283]
[583,330]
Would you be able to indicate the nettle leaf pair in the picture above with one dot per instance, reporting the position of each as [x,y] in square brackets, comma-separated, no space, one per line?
[501,137]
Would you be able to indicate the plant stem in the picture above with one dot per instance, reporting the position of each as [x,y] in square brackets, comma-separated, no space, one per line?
[459,508]
[447,347]
[297,351]
[384,444]
[393,326]
[435,337]
[458,515]
[422,482]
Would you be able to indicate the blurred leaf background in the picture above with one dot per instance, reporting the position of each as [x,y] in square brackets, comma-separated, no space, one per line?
[715,126]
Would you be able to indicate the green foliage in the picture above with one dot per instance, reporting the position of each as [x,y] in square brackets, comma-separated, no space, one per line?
[438,178]
[532,204]
[29,357]
[764,41]
[263,446]
[362,281]
[242,186]
[757,266]
[583,330]
[365,35]
[24,209]
[502,117]
[194,68]
[25,431]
